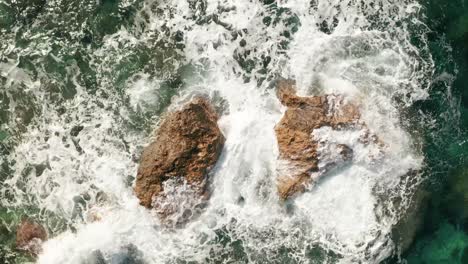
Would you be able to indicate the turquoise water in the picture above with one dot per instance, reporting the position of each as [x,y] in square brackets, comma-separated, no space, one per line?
[68,63]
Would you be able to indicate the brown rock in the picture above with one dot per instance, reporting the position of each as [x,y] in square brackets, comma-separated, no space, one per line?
[30,236]
[296,144]
[187,145]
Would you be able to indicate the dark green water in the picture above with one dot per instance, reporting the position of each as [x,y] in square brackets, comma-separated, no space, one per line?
[443,235]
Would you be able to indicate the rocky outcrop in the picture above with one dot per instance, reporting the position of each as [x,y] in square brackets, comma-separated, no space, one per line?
[297,147]
[187,145]
[30,236]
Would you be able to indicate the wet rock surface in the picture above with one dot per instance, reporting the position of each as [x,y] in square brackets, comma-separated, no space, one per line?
[187,146]
[30,236]
[298,148]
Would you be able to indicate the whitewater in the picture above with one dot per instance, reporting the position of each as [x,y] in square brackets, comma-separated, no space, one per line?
[232,51]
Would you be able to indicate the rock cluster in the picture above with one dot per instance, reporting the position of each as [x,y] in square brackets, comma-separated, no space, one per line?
[187,145]
[174,169]
[297,147]
[30,236]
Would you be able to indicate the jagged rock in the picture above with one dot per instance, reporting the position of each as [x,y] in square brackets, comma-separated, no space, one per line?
[297,147]
[30,236]
[187,145]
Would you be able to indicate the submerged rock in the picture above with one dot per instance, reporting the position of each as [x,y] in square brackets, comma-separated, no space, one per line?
[448,244]
[297,146]
[96,257]
[455,202]
[187,145]
[128,254]
[411,221]
[30,236]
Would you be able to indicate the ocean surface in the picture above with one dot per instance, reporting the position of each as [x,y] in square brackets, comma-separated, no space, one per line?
[83,84]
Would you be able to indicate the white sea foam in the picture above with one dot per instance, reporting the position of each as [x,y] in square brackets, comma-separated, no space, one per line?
[143,93]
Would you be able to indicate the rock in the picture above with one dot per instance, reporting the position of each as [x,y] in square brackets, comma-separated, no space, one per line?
[30,236]
[129,254]
[455,201]
[297,147]
[446,244]
[187,145]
